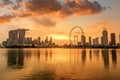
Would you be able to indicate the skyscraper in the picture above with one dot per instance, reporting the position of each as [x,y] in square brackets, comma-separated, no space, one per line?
[95,41]
[38,40]
[16,37]
[105,37]
[119,38]
[101,40]
[21,37]
[13,37]
[50,40]
[83,40]
[90,40]
[46,40]
[113,39]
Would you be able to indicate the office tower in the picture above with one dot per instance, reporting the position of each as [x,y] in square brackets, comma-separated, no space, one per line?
[95,41]
[16,37]
[50,40]
[119,38]
[90,40]
[46,40]
[101,40]
[38,40]
[83,40]
[13,37]
[28,40]
[21,37]
[105,37]
[113,39]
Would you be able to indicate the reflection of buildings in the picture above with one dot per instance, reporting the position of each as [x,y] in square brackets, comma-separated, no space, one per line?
[48,55]
[15,58]
[105,55]
[96,53]
[114,56]
[90,54]
[83,56]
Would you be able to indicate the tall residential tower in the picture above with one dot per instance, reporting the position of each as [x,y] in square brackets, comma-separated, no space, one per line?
[105,37]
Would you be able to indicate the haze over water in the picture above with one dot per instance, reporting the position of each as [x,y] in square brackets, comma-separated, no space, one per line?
[59,64]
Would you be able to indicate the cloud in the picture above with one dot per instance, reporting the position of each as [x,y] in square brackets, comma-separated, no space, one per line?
[56,8]
[83,7]
[69,8]
[44,6]
[4,19]
[44,21]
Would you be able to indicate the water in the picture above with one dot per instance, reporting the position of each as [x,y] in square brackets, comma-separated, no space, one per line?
[59,64]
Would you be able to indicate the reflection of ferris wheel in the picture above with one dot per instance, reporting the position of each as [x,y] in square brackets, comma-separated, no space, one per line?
[72,31]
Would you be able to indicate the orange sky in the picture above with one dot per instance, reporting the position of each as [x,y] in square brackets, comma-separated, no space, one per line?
[57,17]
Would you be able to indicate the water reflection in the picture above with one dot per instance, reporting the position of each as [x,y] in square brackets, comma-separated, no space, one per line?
[96,53]
[48,55]
[38,54]
[105,55]
[90,54]
[15,59]
[114,57]
[42,75]
[62,64]
[83,56]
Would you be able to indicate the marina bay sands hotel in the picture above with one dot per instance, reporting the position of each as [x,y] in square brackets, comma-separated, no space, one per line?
[16,37]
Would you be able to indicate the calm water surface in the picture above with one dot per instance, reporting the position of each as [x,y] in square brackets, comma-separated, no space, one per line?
[59,64]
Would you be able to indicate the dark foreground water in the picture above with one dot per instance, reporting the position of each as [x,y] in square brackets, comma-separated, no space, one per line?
[59,64]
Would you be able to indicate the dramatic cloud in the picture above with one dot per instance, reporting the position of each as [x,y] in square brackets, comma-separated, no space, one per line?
[44,21]
[83,7]
[79,7]
[5,18]
[44,6]
[24,8]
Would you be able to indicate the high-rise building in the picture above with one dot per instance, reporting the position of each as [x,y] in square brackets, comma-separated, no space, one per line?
[16,37]
[13,38]
[95,41]
[119,38]
[105,37]
[83,40]
[21,37]
[113,39]
[90,40]
[101,40]
[50,40]
[46,40]
[38,41]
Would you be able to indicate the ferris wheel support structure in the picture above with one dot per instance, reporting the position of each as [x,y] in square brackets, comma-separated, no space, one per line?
[71,33]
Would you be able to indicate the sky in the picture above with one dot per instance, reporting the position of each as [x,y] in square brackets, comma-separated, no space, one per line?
[56,18]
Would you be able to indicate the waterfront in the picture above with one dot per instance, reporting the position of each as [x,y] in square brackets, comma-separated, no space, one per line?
[59,64]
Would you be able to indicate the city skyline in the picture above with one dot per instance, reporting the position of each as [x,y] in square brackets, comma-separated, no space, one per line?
[58,19]
[18,38]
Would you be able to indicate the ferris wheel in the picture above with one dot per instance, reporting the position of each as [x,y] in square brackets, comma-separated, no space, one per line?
[70,35]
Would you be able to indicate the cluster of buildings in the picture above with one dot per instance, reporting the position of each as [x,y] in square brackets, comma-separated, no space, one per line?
[17,39]
[104,40]
[95,42]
